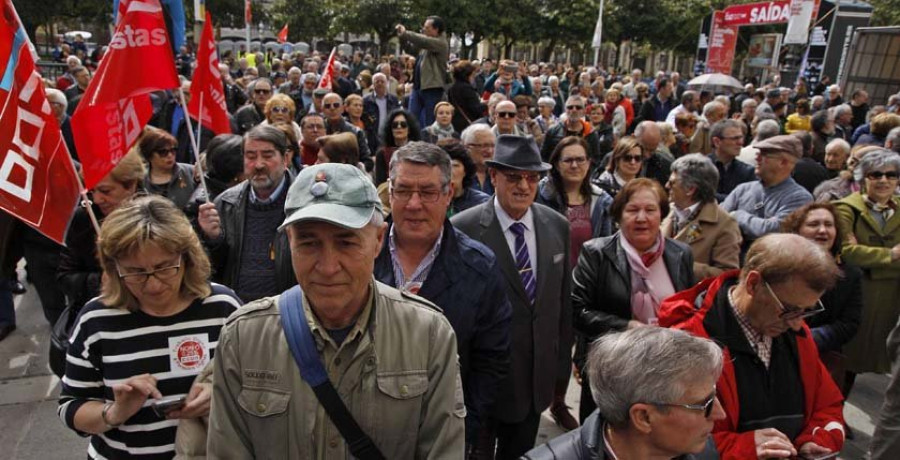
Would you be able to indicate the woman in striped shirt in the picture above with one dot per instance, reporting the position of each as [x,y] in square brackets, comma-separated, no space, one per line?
[154,327]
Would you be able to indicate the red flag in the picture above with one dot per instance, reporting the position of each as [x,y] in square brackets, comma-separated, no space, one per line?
[38,184]
[207,85]
[282,36]
[116,105]
[328,75]
[248,15]
[120,11]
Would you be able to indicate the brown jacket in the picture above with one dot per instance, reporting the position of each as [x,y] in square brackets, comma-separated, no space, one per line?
[714,238]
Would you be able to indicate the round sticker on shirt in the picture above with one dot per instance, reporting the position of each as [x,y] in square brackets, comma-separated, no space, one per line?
[188,354]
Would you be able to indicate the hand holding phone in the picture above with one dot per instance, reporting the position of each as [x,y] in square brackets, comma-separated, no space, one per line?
[163,406]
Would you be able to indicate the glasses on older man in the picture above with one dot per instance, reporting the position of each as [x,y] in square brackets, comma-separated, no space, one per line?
[706,407]
[791,312]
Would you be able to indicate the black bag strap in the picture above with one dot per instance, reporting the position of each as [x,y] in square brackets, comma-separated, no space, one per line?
[303,348]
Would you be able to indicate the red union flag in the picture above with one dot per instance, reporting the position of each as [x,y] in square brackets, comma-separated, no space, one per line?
[116,105]
[328,75]
[283,34]
[207,85]
[38,184]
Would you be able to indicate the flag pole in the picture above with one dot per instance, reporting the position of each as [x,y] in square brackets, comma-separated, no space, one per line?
[195,147]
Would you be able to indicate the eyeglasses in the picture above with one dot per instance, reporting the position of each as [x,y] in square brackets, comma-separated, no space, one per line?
[877,175]
[281,110]
[706,407]
[262,91]
[632,158]
[137,279]
[333,105]
[574,107]
[168,151]
[399,125]
[506,114]
[577,161]
[790,312]
[515,178]
[425,196]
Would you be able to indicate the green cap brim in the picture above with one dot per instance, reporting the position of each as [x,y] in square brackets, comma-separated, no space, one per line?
[351,217]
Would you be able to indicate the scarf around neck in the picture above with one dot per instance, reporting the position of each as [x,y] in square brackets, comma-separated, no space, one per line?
[644,304]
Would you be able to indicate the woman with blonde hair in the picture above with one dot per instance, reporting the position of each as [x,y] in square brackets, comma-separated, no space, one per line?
[137,348]
[280,108]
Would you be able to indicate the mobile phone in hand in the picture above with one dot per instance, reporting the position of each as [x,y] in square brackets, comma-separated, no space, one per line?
[165,405]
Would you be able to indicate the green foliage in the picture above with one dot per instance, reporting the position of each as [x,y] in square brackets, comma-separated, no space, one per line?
[313,22]
[887,12]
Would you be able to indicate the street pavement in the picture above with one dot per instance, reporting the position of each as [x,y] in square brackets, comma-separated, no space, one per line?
[30,429]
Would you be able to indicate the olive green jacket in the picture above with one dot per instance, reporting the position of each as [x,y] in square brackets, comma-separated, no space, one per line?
[434,53]
[397,372]
[872,252]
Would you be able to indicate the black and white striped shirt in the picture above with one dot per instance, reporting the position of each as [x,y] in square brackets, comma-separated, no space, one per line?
[111,345]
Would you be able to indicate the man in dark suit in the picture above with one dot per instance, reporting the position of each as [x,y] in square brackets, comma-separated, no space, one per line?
[531,243]
[376,108]
[425,255]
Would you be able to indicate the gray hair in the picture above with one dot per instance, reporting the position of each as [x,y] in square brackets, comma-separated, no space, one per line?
[766,129]
[468,134]
[252,86]
[379,76]
[698,171]
[643,126]
[893,139]
[496,98]
[294,71]
[718,129]
[647,365]
[689,96]
[840,110]
[724,100]
[711,106]
[839,143]
[267,133]
[309,76]
[816,100]
[55,95]
[574,98]
[425,154]
[748,102]
[552,79]
[879,159]
[544,100]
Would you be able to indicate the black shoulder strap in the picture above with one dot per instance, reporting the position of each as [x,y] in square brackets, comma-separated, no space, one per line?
[303,347]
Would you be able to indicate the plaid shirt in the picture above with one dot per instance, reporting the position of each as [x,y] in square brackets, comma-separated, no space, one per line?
[760,343]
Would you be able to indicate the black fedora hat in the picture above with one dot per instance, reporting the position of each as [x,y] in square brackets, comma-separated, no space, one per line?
[517,152]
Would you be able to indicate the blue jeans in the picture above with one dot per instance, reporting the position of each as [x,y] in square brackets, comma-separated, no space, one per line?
[422,102]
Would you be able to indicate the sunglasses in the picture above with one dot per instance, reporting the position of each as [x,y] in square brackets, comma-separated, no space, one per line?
[281,110]
[399,125]
[262,91]
[515,178]
[333,105]
[706,407]
[167,152]
[506,114]
[790,312]
[632,158]
[877,175]
[574,107]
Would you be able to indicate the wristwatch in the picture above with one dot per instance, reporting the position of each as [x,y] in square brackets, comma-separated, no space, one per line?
[103,414]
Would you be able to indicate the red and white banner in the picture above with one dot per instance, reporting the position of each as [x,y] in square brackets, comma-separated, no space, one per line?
[722,39]
[116,105]
[248,15]
[328,74]
[282,35]
[38,183]
[206,87]
[757,14]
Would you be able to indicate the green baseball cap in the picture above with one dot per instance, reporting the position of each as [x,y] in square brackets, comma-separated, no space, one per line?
[336,193]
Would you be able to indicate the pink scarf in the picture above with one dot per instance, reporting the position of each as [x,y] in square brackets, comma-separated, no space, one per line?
[644,304]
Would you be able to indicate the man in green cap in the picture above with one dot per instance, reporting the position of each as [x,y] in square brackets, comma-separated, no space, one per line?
[390,356]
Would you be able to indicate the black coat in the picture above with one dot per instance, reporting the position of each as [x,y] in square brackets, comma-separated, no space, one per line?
[809,174]
[79,271]
[843,303]
[371,118]
[586,443]
[466,103]
[601,283]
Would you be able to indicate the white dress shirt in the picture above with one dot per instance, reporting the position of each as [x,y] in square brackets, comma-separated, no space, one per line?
[528,220]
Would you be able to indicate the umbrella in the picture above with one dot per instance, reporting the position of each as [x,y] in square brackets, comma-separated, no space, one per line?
[84,34]
[717,82]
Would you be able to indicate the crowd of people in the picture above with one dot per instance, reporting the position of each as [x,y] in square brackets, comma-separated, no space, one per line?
[441,244]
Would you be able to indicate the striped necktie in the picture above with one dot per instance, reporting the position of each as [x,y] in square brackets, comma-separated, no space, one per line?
[523,261]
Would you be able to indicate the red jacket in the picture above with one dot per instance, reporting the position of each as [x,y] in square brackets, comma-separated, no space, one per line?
[824,421]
